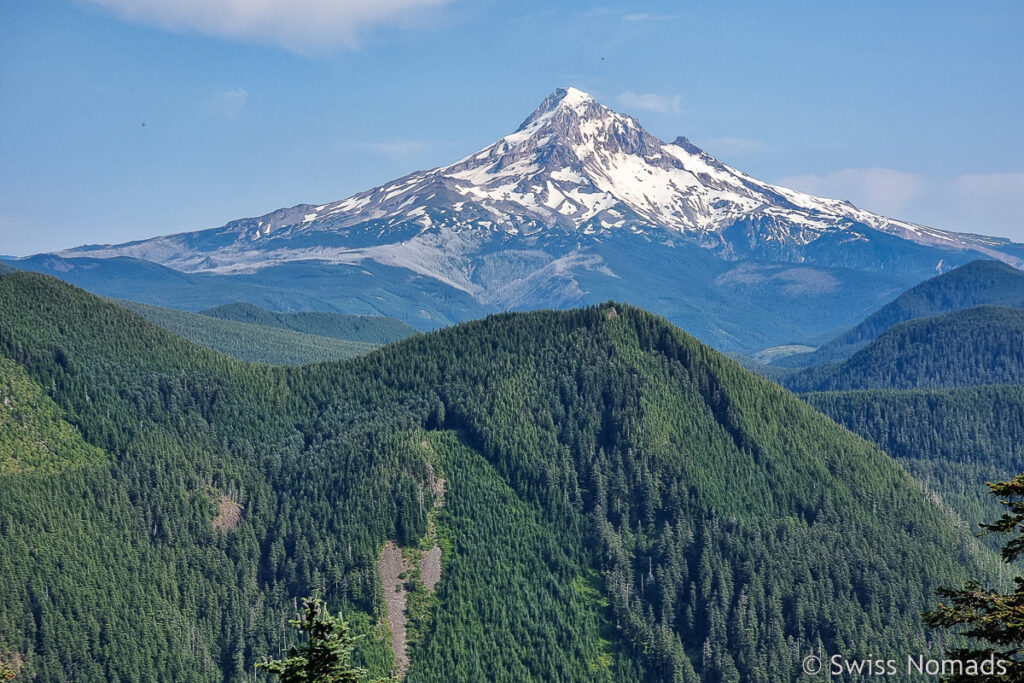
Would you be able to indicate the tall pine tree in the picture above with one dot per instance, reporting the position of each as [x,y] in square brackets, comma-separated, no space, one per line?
[985,614]
[328,652]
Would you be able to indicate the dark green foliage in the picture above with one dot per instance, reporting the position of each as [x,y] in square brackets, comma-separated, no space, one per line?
[33,434]
[986,614]
[625,504]
[248,341]
[544,620]
[978,283]
[983,345]
[374,329]
[116,572]
[951,440]
[326,655]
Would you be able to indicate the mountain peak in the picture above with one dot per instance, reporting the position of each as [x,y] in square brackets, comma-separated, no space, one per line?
[565,97]
[688,146]
[568,100]
[576,166]
[572,97]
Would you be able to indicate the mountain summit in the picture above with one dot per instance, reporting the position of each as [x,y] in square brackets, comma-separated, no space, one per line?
[578,205]
[573,164]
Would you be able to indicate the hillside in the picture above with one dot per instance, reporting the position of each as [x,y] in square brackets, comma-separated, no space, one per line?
[33,433]
[978,283]
[951,440]
[982,345]
[622,504]
[248,341]
[372,329]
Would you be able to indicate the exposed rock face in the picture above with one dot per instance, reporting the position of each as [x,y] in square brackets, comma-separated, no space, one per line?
[396,571]
[430,568]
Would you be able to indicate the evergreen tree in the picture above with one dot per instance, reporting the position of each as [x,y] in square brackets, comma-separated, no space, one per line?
[987,614]
[325,659]
[617,495]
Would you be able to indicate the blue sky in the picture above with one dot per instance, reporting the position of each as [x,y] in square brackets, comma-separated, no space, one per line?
[913,109]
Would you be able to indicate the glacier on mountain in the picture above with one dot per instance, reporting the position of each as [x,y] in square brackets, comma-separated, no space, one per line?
[579,204]
[573,165]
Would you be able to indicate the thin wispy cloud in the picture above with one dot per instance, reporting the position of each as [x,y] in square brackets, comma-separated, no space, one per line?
[991,185]
[881,190]
[662,104]
[229,103]
[985,203]
[303,26]
[648,16]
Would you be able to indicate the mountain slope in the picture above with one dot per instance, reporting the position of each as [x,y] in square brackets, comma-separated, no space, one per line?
[660,497]
[979,283]
[33,434]
[248,341]
[950,440]
[360,328]
[579,205]
[982,345]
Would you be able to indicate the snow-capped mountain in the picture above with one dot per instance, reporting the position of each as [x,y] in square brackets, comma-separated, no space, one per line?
[575,166]
[565,208]
[578,165]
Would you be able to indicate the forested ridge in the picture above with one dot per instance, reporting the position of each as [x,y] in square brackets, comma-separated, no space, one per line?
[981,345]
[942,395]
[625,504]
[251,341]
[978,283]
[374,329]
[951,440]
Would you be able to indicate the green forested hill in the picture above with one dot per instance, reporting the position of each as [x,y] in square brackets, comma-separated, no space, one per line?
[251,342]
[982,345]
[951,440]
[978,283]
[33,435]
[374,329]
[623,503]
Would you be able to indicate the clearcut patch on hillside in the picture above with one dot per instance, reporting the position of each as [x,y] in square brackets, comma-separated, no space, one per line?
[393,570]
[430,562]
[229,514]
[404,570]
